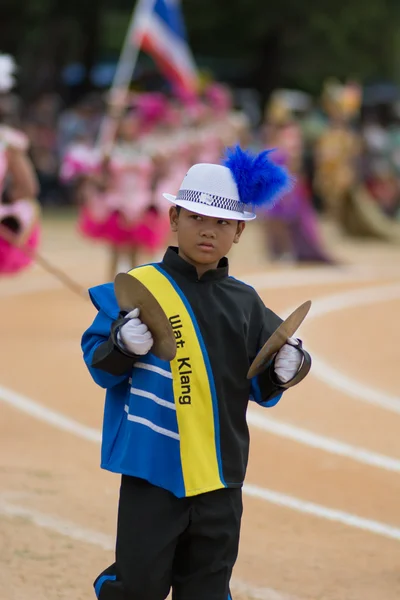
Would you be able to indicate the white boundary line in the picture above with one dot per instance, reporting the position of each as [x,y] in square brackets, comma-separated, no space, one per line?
[313,440]
[67,528]
[254,418]
[316,510]
[52,417]
[61,422]
[106,542]
[335,378]
[298,277]
[303,277]
[321,307]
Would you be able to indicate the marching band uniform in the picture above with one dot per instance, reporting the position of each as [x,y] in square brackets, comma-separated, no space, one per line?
[176,431]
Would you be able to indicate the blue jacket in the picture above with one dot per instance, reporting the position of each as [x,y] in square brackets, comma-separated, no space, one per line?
[140,428]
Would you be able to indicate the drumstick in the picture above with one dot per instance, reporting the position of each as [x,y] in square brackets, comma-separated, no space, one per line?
[46,265]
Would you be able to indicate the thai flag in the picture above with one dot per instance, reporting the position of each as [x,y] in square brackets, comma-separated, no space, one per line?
[159,30]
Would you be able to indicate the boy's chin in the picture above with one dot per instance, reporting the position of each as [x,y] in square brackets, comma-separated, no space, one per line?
[205,258]
[204,261]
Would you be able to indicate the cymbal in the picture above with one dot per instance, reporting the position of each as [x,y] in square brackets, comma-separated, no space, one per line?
[279,338]
[130,294]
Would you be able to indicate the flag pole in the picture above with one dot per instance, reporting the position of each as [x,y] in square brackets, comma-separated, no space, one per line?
[125,68]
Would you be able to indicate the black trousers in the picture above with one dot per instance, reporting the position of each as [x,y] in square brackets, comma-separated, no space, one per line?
[164,542]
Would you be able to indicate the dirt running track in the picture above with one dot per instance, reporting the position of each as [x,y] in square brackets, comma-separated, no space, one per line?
[322,516]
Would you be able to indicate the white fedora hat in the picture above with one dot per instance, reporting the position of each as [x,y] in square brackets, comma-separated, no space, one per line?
[234,189]
[211,190]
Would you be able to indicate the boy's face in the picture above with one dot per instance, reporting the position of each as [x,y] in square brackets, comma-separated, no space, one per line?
[203,241]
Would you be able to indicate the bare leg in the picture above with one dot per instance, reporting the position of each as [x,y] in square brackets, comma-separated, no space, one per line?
[114,259]
[133,258]
[278,239]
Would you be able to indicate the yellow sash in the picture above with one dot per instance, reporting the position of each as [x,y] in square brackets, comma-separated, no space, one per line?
[193,386]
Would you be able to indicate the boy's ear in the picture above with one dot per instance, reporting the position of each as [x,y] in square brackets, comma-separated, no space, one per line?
[240,227]
[173,218]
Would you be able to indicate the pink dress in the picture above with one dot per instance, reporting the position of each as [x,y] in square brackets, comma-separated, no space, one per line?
[178,164]
[123,216]
[19,220]
[79,159]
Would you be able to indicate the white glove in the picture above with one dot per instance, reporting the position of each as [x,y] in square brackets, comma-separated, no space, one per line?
[134,335]
[287,361]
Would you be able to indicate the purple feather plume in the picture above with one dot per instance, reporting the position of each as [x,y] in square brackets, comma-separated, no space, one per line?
[260,181]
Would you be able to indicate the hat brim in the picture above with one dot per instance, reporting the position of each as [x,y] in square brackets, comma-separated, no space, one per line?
[210,211]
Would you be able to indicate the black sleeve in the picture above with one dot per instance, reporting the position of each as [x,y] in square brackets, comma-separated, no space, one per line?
[110,356]
[267,382]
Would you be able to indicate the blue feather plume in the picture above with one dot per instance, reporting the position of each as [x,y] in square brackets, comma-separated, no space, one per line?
[260,181]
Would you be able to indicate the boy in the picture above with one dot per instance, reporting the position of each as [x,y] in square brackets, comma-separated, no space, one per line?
[177,431]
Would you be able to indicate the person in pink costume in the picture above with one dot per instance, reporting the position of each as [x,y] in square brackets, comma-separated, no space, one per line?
[216,129]
[173,153]
[206,145]
[152,108]
[117,201]
[19,210]
[211,147]
[170,148]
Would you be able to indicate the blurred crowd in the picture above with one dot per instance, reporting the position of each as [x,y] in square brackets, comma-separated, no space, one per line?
[112,156]
[344,158]
[53,129]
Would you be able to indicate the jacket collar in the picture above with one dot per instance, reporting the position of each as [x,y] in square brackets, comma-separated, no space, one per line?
[176,263]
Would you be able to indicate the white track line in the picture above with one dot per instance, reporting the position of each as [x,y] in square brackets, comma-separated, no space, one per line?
[53,418]
[60,526]
[313,440]
[353,388]
[299,277]
[353,298]
[321,307]
[258,593]
[303,277]
[106,542]
[254,418]
[315,510]
[335,378]
[66,424]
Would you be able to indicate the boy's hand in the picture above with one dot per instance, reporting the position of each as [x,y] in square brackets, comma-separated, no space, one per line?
[287,361]
[135,335]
